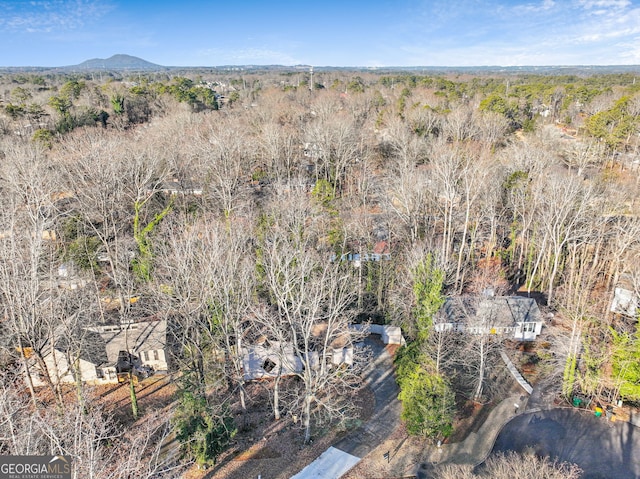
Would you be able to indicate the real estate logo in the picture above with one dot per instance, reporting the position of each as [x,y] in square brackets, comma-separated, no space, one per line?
[35,467]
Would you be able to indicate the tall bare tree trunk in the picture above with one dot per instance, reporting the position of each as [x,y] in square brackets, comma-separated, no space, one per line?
[276,398]
[133,396]
[306,417]
[27,373]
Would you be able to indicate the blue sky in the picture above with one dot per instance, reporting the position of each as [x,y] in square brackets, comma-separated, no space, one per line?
[323,33]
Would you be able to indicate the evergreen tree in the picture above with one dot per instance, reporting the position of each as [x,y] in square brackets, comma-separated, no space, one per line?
[203,430]
[626,363]
[428,402]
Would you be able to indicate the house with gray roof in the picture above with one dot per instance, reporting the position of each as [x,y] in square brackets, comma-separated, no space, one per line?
[513,316]
[99,353]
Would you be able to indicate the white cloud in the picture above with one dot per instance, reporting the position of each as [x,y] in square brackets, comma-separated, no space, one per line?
[606,4]
[50,15]
[247,56]
[604,28]
[528,32]
[630,51]
[535,7]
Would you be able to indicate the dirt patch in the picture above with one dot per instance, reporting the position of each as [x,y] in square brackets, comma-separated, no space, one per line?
[530,359]
[405,453]
[392,349]
[257,453]
[153,393]
[273,449]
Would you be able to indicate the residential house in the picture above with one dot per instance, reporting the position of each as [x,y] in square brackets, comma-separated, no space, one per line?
[80,352]
[624,302]
[176,187]
[269,359]
[265,359]
[515,316]
[133,345]
[98,354]
[625,299]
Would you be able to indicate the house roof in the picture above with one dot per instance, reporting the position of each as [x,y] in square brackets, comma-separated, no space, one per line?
[494,311]
[625,301]
[256,357]
[90,343]
[132,337]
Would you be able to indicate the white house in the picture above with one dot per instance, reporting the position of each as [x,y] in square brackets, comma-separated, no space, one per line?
[625,296]
[514,316]
[269,360]
[264,361]
[99,353]
[265,358]
[624,302]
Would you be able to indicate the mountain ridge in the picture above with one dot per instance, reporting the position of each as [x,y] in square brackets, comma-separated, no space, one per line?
[118,61]
[124,62]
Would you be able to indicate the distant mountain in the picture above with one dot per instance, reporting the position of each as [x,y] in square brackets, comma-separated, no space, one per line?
[117,62]
[123,63]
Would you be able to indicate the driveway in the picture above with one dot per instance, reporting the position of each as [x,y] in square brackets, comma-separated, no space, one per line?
[338,459]
[603,449]
[379,376]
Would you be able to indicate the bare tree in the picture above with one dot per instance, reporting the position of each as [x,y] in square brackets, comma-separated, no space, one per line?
[222,150]
[446,166]
[408,197]
[407,147]
[584,154]
[27,249]
[459,124]
[492,127]
[475,173]
[18,418]
[112,185]
[233,285]
[425,121]
[312,296]
[208,275]
[279,150]
[473,319]
[564,208]
[336,146]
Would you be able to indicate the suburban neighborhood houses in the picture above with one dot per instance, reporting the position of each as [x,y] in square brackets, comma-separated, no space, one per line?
[355,273]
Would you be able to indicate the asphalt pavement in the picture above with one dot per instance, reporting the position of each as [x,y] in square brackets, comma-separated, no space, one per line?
[379,376]
[603,449]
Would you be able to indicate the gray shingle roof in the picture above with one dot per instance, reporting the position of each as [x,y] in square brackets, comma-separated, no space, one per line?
[494,311]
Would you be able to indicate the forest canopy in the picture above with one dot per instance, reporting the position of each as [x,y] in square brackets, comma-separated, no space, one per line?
[280,210]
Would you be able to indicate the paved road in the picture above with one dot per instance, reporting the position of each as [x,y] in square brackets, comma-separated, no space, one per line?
[338,459]
[386,414]
[477,445]
[601,448]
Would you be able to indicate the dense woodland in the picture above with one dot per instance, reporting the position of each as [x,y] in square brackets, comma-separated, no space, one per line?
[229,205]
